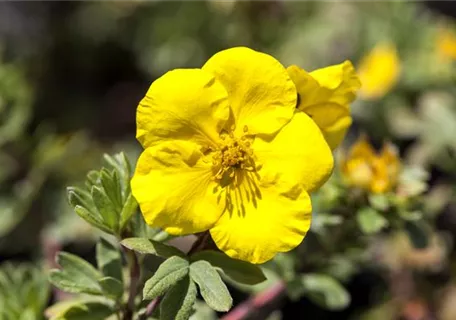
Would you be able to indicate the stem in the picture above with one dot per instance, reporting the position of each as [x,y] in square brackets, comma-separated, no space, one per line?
[134,278]
[260,301]
[150,308]
[201,243]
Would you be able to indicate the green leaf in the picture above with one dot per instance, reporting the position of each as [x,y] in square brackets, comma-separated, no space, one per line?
[129,208]
[370,221]
[76,310]
[24,291]
[146,246]
[67,283]
[125,173]
[91,218]
[123,167]
[28,314]
[212,288]
[341,267]
[413,215]
[325,291]
[109,260]
[93,179]
[76,275]
[77,196]
[322,221]
[295,289]
[112,287]
[162,236]
[105,207]
[167,275]
[284,264]
[379,201]
[111,187]
[178,302]
[237,270]
[75,265]
[418,237]
[83,205]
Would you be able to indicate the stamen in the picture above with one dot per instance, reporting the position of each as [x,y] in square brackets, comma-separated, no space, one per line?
[232,155]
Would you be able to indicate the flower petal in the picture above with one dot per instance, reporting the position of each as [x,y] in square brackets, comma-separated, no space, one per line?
[261,94]
[276,222]
[334,120]
[325,95]
[297,154]
[340,80]
[172,184]
[187,104]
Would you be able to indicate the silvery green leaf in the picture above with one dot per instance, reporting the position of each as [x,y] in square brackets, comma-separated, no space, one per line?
[109,259]
[72,284]
[129,208]
[111,287]
[146,246]
[237,270]
[167,275]
[76,275]
[105,207]
[178,301]
[121,164]
[379,201]
[91,218]
[93,179]
[78,196]
[80,310]
[111,187]
[325,291]
[211,286]
[370,221]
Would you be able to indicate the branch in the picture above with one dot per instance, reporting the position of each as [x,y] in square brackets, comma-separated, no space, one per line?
[134,279]
[150,308]
[270,296]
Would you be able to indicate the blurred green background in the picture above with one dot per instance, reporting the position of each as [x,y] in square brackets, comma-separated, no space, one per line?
[72,74]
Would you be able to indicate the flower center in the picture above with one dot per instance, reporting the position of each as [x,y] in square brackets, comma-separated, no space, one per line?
[232,154]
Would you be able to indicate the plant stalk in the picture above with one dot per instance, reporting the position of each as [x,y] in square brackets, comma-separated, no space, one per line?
[260,302]
[133,288]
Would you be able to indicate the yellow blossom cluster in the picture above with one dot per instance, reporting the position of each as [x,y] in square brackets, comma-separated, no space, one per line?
[376,172]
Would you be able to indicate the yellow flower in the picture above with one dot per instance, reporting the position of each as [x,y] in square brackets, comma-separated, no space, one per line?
[366,169]
[225,152]
[325,95]
[446,44]
[379,71]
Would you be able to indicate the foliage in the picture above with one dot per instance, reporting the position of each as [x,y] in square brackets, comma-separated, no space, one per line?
[24,292]
[108,207]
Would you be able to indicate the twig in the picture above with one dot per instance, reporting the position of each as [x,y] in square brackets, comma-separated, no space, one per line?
[201,243]
[267,297]
[150,308]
